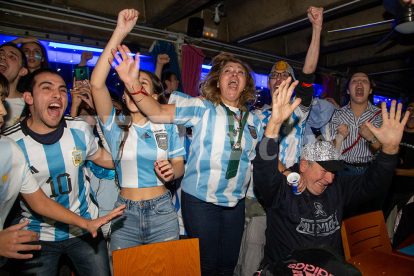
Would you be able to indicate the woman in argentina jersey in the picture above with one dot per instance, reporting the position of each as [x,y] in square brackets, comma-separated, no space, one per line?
[146,155]
[224,138]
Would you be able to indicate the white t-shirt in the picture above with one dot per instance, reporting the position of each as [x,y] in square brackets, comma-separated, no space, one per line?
[14,109]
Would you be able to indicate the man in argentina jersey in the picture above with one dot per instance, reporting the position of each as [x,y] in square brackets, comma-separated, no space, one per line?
[293,128]
[56,148]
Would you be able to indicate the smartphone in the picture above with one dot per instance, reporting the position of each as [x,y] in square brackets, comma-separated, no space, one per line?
[81,74]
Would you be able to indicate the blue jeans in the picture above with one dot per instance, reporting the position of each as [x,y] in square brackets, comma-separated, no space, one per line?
[89,255]
[144,222]
[219,229]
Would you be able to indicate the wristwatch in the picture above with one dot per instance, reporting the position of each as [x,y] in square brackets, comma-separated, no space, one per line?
[373,141]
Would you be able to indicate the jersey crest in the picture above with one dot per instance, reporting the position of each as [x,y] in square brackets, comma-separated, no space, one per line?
[252,132]
[77,159]
[162,140]
[4,178]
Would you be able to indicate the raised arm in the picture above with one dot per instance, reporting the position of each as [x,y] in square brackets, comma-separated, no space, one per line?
[378,177]
[128,71]
[102,99]
[162,59]
[266,179]
[315,16]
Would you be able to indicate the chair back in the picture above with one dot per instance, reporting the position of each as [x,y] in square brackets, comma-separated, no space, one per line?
[364,232]
[181,257]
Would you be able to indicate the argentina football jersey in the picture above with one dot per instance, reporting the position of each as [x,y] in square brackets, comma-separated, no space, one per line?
[143,146]
[15,176]
[205,174]
[291,132]
[60,172]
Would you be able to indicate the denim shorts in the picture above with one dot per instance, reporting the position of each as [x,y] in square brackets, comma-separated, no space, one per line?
[144,222]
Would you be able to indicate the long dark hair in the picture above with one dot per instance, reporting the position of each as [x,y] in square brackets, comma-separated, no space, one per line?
[45,62]
[127,123]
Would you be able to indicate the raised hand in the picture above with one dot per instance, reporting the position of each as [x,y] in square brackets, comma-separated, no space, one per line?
[164,169]
[127,19]
[391,131]
[315,16]
[128,67]
[81,92]
[27,39]
[93,225]
[163,59]
[12,241]
[281,107]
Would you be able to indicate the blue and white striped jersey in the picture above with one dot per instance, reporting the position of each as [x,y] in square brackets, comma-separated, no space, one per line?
[210,150]
[60,172]
[143,146]
[361,152]
[291,132]
[15,176]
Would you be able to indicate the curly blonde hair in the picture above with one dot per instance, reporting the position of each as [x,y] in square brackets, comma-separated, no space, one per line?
[209,89]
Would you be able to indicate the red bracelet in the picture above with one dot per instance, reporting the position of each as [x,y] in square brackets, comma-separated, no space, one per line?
[140,91]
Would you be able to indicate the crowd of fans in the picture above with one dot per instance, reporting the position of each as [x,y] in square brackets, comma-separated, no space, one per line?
[121,166]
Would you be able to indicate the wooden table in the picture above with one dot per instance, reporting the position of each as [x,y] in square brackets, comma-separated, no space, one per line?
[409,241]
[374,262]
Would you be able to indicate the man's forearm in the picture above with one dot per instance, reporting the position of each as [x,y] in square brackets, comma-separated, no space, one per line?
[312,56]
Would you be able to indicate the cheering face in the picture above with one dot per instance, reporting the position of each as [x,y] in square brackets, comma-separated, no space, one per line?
[276,78]
[11,63]
[34,55]
[232,81]
[359,88]
[316,177]
[49,99]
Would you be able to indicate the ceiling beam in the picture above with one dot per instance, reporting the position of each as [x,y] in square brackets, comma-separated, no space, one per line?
[331,12]
[175,11]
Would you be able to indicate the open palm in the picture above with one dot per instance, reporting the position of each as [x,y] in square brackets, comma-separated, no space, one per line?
[128,67]
[391,131]
[281,107]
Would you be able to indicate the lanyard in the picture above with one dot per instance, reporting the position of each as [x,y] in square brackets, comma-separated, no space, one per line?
[237,149]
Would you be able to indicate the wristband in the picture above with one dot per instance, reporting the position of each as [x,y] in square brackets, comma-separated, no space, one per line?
[140,91]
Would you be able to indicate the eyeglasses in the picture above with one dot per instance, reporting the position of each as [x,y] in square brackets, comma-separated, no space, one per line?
[283,75]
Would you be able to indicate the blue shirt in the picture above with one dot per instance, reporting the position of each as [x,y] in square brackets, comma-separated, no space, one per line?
[143,146]
[291,132]
[60,172]
[210,150]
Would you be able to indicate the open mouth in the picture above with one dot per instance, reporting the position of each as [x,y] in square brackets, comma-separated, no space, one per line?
[321,186]
[54,109]
[233,84]
[359,92]
[3,67]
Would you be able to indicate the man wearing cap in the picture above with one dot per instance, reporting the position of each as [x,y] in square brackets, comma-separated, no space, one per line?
[293,129]
[315,216]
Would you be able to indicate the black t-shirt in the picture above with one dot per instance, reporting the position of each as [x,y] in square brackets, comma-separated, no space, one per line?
[405,184]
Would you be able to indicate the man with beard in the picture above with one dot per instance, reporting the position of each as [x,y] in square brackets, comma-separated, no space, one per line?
[56,147]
